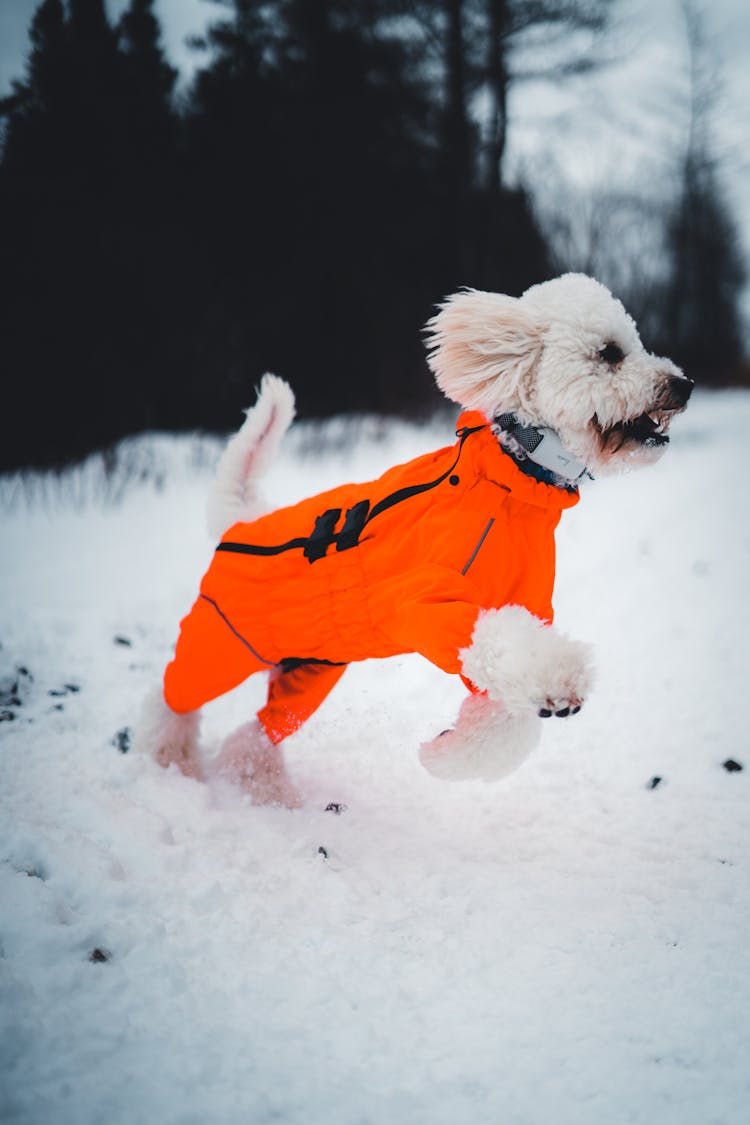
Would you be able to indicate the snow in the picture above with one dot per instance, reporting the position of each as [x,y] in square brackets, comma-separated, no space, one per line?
[568,945]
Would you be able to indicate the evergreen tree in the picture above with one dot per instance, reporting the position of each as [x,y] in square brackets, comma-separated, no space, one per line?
[35,111]
[232,137]
[304,130]
[97,97]
[32,211]
[81,260]
[149,81]
[356,114]
[151,225]
[325,183]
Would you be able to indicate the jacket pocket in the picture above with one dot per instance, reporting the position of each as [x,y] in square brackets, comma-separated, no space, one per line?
[478,546]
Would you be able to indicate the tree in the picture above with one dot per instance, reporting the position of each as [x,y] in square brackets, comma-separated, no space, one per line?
[531,39]
[149,80]
[97,98]
[325,181]
[479,49]
[307,133]
[77,299]
[34,110]
[702,321]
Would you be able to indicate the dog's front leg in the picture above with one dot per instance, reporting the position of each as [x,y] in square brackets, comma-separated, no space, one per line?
[527,665]
[524,669]
[487,742]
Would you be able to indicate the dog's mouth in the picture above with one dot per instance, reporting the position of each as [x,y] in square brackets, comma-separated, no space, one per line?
[649,430]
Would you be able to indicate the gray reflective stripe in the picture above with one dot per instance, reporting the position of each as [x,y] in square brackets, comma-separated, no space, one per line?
[239,636]
[475,552]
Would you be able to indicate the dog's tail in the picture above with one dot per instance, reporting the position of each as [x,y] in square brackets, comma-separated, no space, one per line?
[248,455]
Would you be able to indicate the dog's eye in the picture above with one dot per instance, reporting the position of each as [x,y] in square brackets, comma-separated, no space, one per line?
[611,353]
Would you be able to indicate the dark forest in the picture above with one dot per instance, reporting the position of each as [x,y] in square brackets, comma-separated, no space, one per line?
[300,208]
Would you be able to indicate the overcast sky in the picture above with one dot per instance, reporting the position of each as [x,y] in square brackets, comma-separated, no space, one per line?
[623,125]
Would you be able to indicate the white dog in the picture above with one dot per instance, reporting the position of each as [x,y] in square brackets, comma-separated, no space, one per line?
[451,555]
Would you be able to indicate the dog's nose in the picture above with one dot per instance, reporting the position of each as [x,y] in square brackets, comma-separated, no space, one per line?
[679,390]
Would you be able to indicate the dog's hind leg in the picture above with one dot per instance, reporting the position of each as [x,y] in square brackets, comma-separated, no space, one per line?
[170,738]
[210,659]
[252,756]
[249,759]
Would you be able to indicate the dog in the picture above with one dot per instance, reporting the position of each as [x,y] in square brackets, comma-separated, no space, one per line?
[450,555]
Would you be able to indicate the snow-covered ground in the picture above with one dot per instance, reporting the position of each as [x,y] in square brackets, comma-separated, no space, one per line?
[566,946]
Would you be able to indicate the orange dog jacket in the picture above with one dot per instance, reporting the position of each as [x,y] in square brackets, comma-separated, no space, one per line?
[398,565]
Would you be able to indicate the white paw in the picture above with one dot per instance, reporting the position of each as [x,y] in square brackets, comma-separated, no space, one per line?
[527,665]
[249,759]
[487,742]
[168,737]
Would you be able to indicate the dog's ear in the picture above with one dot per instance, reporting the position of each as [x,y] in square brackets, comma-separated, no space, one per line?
[482,347]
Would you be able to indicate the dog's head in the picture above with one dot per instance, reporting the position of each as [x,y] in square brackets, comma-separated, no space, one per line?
[567,356]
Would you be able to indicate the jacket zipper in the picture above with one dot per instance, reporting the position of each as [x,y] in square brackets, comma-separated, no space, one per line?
[476,550]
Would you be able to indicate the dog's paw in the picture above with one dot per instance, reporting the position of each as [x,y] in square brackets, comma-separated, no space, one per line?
[564,680]
[560,708]
[182,753]
[171,739]
[250,760]
[528,665]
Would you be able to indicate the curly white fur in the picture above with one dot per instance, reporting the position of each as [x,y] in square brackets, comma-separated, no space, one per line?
[542,357]
[487,742]
[484,348]
[525,664]
[248,455]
